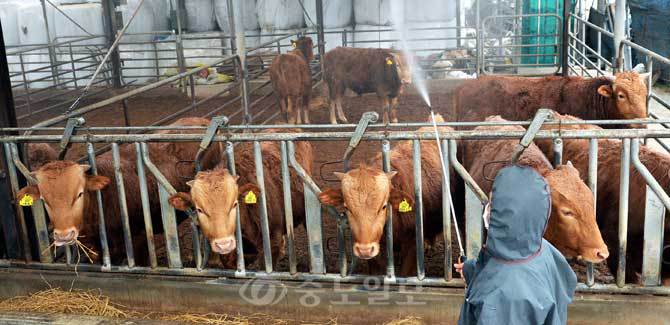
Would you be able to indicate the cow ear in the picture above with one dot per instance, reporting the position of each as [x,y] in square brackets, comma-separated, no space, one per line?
[645,78]
[570,164]
[31,190]
[96,182]
[190,183]
[249,187]
[605,91]
[401,201]
[181,201]
[332,197]
[391,174]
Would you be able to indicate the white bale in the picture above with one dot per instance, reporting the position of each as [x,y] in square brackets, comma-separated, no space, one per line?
[31,26]
[430,11]
[10,25]
[333,37]
[39,60]
[336,13]
[370,36]
[250,18]
[138,63]
[200,15]
[279,14]
[167,55]
[252,38]
[207,48]
[161,10]
[87,15]
[372,12]
[144,22]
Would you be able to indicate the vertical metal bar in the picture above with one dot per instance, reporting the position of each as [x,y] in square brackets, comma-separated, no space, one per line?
[39,217]
[418,205]
[102,226]
[168,217]
[156,60]
[73,74]
[263,208]
[25,82]
[146,209]
[126,119]
[558,152]
[623,211]
[23,229]
[480,45]
[446,211]
[52,51]
[109,15]
[654,227]
[230,158]
[593,185]
[390,267]
[241,52]
[123,206]
[599,42]
[565,39]
[288,209]
[619,34]
[192,87]
[231,23]
[68,254]
[319,33]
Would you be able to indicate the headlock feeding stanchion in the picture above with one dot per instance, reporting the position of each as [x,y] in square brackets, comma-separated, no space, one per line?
[541,116]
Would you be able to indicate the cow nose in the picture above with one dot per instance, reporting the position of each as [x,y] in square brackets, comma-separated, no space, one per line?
[602,253]
[64,237]
[366,251]
[224,245]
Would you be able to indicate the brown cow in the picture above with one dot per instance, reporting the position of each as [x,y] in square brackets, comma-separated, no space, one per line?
[365,70]
[519,98]
[366,190]
[609,165]
[69,197]
[216,195]
[572,226]
[292,80]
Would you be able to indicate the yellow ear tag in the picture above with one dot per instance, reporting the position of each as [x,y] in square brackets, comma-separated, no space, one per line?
[26,201]
[389,62]
[293,44]
[404,206]
[250,198]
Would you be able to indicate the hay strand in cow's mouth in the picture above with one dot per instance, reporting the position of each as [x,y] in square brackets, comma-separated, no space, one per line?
[85,249]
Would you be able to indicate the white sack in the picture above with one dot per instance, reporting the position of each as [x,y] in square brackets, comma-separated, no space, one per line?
[432,42]
[333,37]
[200,15]
[429,11]
[250,18]
[336,13]
[10,25]
[31,24]
[88,16]
[370,12]
[279,14]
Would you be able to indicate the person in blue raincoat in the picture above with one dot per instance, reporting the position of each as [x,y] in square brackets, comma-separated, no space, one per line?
[518,277]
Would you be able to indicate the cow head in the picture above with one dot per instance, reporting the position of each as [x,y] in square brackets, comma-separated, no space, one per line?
[363,196]
[215,197]
[63,186]
[402,64]
[572,226]
[628,91]
[305,45]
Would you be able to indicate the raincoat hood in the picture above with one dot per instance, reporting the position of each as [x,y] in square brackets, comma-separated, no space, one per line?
[520,209]
[518,277]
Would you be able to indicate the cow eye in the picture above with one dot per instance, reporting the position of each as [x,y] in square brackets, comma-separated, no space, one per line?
[567,213]
[235,204]
[80,195]
[199,211]
[622,96]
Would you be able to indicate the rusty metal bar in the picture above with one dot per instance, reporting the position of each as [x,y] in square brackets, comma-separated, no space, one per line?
[288,208]
[102,226]
[390,267]
[146,209]
[123,207]
[623,211]
[263,207]
[230,158]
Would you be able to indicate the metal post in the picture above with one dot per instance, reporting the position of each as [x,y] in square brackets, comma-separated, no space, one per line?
[565,64]
[52,52]
[123,206]
[558,152]
[241,52]
[446,212]
[418,206]
[178,45]
[109,15]
[7,119]
[230,159]
[231,22]
[619,34]
[146,210]
[265,230]
[390,267]
[623,211]
[593,185]
[102,226]
[319,32]
[288,208]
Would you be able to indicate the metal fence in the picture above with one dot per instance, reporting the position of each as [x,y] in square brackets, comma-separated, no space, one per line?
[474,201]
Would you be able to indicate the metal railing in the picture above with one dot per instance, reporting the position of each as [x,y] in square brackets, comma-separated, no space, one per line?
[318,271]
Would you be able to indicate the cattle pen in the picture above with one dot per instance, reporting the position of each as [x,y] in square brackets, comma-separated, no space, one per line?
[106,98]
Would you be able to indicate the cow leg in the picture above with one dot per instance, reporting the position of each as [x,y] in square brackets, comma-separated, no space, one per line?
[385,109]
[289,111]
[298,110]
[394,110]
[282,103]
[333,108]
[340,113]
[408,258]
[305,108]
